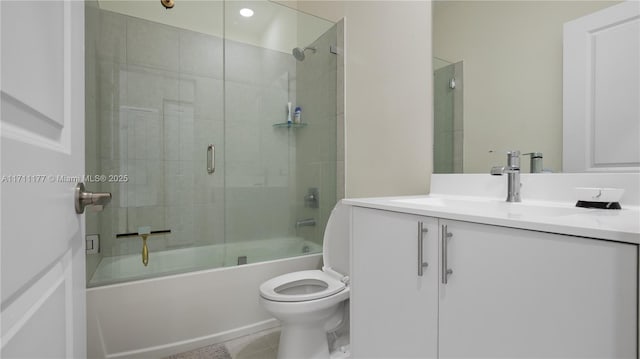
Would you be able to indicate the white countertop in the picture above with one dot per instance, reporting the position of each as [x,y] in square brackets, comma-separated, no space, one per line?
[554,217]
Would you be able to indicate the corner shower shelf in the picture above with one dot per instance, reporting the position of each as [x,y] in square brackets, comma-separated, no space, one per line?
[289,125]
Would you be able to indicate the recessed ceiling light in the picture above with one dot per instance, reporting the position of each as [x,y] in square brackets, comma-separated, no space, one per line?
[246,12]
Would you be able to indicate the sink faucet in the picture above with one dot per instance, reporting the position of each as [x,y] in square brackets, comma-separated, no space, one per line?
[513,175]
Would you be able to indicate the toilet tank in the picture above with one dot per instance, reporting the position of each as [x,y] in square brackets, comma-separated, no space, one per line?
[335,247]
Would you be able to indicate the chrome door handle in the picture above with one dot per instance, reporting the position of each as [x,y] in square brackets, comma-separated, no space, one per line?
[84,198]
[421,263]
[211,159]
[445,270]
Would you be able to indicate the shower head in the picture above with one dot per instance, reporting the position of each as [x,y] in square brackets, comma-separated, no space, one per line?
[298,53]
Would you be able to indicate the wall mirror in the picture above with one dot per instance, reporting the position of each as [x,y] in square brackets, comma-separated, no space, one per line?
[498,81]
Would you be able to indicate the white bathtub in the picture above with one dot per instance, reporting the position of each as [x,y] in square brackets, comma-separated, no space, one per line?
[126,268]
[157,317]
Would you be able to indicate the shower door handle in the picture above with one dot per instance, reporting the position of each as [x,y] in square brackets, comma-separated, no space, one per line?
[211,159]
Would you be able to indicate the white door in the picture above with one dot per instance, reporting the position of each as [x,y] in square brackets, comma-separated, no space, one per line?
[42,141]
[601,106]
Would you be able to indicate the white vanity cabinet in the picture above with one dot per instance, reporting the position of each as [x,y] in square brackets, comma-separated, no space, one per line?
[526,294]
[394,310]
[512,293]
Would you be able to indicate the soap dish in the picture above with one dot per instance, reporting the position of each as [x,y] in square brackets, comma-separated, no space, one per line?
[594,197]
[600,205]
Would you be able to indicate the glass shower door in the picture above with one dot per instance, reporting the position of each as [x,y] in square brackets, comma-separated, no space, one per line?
[154,85]
[194,114]
[280,175]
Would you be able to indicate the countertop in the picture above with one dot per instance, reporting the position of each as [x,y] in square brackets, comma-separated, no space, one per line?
[554,217]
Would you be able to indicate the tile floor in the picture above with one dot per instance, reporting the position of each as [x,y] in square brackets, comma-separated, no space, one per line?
[216,351]
[261,345]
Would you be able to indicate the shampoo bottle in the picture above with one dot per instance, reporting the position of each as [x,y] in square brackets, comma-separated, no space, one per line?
[297,117]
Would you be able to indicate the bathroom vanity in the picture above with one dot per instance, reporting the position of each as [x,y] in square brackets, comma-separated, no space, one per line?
[536,279]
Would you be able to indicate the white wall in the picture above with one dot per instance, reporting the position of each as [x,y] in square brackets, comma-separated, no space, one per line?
[512,53]
[388,111]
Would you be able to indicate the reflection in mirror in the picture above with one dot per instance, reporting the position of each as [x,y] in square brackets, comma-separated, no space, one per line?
[447,116]
[512,54]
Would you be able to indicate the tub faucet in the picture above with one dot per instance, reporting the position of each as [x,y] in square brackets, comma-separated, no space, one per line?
[305,222]
[513,175]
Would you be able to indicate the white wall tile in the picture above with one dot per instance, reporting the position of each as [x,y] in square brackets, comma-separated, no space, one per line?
[200,54]
[208,99]
[152,44]
[111,38]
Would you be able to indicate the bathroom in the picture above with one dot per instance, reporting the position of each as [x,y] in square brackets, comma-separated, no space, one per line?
[189,98]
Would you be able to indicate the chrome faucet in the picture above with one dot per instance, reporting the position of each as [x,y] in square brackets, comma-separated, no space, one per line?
[305,222]
[513,175]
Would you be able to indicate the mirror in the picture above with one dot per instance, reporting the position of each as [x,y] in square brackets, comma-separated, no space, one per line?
[498,81]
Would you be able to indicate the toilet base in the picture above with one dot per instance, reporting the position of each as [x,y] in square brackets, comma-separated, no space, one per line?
[344,352]
[303,341]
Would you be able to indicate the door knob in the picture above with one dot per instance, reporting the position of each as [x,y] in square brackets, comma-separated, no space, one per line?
[84,198]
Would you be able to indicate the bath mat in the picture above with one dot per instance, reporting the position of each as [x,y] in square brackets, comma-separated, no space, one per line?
[216,351]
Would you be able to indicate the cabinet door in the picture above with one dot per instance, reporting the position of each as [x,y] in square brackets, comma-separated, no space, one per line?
[393,309]
[525,294]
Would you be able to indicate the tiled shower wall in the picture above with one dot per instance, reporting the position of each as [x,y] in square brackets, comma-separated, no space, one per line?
[260,158]
[320,145]
[159,101]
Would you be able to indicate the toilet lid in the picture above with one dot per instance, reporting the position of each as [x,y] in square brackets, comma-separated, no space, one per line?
[335,246]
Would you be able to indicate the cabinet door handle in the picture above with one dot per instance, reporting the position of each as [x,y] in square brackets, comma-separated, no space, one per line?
[445,267]
[421,263]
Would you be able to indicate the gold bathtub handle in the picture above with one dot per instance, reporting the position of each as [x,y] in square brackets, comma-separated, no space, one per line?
[145,250]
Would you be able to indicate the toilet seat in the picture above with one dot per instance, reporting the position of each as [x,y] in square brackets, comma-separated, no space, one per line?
[314,284]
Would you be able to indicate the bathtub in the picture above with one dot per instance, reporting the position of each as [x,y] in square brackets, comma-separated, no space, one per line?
[157,317]
[117,269]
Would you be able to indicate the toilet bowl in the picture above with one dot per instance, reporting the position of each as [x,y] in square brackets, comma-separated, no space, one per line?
[311,303]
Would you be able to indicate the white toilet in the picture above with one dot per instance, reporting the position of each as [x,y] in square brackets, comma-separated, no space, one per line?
[311,303]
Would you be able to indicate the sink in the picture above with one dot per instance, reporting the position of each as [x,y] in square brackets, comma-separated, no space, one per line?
[438,201]
[538,210]
[495,206]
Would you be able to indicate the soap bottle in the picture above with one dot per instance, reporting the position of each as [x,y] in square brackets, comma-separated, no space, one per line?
[297,117]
